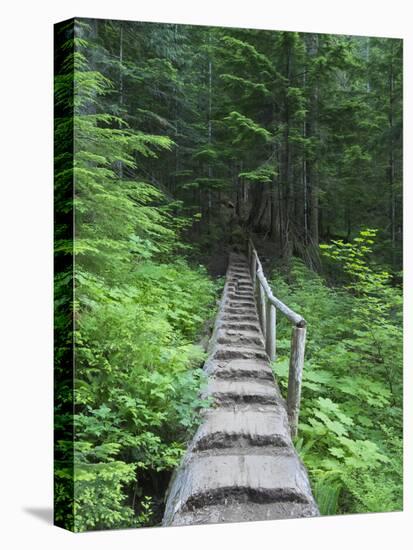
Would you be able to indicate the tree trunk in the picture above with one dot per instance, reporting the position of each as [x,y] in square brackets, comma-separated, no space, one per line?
[286,170]
[312,168]
[209,128]
[304,166]
[391,169]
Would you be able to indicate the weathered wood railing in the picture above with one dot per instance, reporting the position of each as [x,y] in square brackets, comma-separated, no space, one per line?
[267,309]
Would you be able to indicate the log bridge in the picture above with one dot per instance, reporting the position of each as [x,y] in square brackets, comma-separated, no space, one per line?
[241,464]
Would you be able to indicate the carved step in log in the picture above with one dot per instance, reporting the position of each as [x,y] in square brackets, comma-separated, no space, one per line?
[240,368]
[241,464]
[228,479]
[232,428]
[238,352]
[230,391]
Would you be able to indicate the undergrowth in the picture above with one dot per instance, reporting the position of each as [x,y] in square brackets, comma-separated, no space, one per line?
[350,430]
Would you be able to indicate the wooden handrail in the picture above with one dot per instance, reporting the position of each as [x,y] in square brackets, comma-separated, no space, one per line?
[267,308]
[297,320]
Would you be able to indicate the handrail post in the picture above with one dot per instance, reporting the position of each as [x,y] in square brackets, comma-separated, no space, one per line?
[295,375]
[270,338]
[253,267]
[263,304]
[257,295]
[267,317]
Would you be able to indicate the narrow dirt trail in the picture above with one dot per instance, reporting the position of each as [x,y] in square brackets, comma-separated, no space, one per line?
[241,464]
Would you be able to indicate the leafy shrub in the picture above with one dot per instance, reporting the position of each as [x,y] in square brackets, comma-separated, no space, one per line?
[138,308]
[350,432]
[136,388]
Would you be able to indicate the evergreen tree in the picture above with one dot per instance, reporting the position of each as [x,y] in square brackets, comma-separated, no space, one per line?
[179,141]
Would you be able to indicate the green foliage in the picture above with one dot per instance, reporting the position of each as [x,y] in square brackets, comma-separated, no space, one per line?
[137,383]
[138,309]
[245,86]
[181,130]
[242,51]
[245,129]
[350,432]
[263,174]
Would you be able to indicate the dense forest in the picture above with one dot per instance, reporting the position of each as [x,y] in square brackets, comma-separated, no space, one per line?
[181,141]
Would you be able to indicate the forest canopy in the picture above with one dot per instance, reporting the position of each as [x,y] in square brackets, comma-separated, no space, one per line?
[179,141]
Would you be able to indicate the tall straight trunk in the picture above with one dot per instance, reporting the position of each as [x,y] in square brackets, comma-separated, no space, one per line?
[209,129]
[259,195]
[280,208]
[304,163]
[391,169]
[287,162]
[312,168]
[273,199]
[273,212]
[305,191]
[176,117]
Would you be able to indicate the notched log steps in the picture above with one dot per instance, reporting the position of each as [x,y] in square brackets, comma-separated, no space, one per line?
[241,464]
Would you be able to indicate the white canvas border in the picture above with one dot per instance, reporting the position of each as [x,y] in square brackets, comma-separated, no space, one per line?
[26,305]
